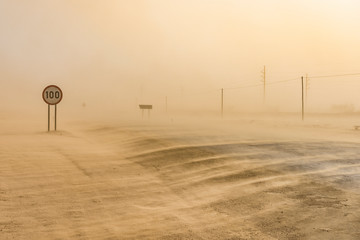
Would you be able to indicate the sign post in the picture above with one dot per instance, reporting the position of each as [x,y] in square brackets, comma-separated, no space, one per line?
[145,107]
[52,95]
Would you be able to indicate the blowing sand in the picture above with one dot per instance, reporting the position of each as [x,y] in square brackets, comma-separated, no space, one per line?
[145,180]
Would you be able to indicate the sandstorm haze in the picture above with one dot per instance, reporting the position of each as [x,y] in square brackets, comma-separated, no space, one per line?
[114,55]
[99,170]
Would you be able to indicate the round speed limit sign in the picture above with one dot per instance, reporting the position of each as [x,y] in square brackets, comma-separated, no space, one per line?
[52,95]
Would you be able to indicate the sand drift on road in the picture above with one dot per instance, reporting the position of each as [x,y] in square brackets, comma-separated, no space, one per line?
[152,181]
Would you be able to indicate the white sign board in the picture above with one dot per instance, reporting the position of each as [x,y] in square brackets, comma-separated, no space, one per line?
[52,95]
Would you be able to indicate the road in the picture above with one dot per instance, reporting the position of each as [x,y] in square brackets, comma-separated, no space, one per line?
[156,181]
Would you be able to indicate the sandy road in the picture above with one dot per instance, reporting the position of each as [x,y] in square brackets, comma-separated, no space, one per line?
[156,182]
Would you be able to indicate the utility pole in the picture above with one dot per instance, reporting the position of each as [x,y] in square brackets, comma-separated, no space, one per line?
[222,102]
[307,87]
[264,81]
[302,96]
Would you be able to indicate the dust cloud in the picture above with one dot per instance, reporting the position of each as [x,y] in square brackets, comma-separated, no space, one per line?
[114,55]
[223,154]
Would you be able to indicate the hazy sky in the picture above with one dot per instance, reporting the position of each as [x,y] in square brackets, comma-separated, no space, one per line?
[120,53]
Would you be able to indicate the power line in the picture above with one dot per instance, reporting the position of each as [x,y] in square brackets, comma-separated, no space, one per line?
[338,75]
[199,92]
[268,83]
[282,81]
[293,79]
[207,91]
[236,82]
[244,86]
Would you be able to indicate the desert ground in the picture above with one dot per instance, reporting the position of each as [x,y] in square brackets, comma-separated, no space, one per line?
[172,179]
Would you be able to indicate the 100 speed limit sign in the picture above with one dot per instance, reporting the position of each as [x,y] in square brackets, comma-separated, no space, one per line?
[52,95]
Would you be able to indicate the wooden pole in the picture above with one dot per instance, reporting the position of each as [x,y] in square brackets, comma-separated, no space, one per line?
[222,102]
[306,87]
[264,96]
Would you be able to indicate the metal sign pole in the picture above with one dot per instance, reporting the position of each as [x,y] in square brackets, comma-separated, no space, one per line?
[55,115]
[145,107]
[52,95]
[48,117]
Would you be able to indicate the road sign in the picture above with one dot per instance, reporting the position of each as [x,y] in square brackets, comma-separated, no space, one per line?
[143,106]
[52,95]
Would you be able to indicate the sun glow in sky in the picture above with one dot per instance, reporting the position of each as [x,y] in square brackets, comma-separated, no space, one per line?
[144,50]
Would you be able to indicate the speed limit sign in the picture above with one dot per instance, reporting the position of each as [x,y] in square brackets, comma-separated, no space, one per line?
[52,95]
